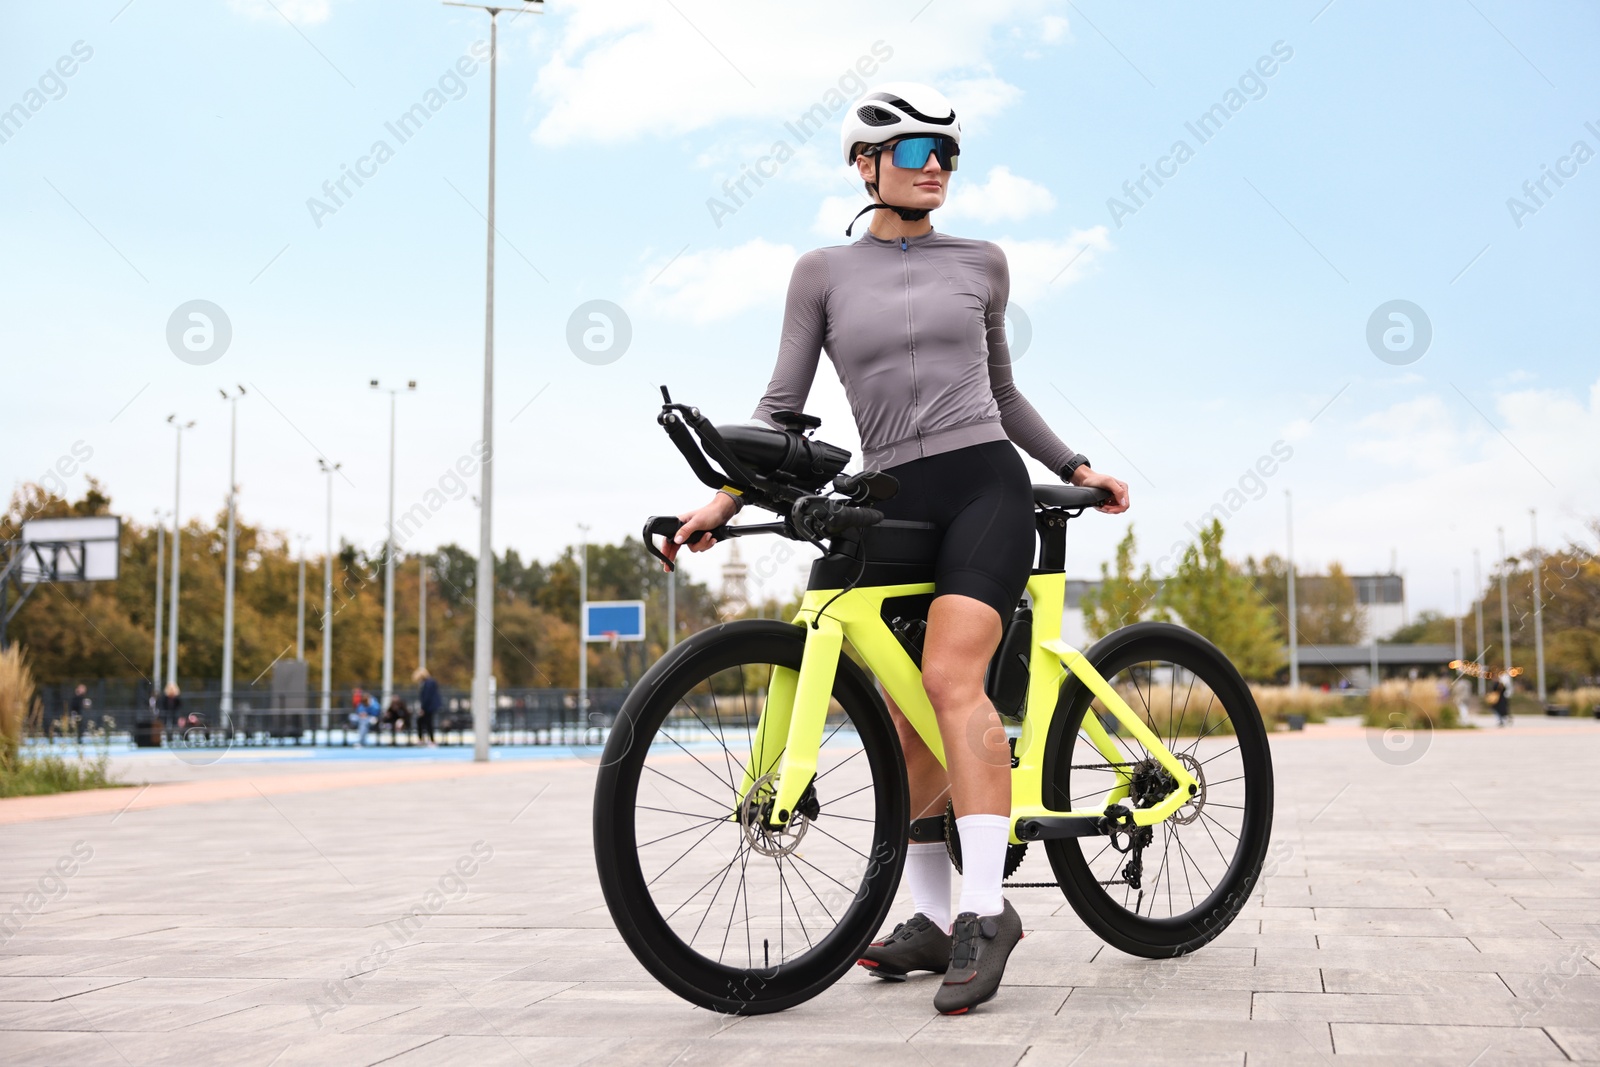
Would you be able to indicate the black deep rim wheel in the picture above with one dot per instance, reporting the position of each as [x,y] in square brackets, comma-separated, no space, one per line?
[1180,883]
[722,912]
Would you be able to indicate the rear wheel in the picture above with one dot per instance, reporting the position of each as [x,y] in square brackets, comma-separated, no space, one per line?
[722,911]
[1166,889]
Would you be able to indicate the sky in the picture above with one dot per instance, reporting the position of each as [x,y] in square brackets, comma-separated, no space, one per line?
[1219,334]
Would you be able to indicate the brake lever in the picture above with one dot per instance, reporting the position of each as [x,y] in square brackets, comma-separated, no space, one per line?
[667,526]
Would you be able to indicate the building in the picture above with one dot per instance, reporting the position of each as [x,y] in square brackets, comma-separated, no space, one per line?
[1382,598]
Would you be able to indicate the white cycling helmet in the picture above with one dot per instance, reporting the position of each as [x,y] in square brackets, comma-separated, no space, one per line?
[894,110]
[889,111]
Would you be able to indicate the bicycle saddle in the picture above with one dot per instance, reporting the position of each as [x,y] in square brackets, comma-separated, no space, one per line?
[1071,497]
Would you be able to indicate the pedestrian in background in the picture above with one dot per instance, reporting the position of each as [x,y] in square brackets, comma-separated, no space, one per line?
[364,713]
[427,706]
[395,716]
[79,707]
[169,706]
[1499,698]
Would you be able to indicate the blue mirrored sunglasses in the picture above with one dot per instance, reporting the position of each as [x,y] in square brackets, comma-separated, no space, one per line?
[911,153]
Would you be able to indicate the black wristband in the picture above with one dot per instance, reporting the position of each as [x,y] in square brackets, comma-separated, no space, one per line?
[1070,466]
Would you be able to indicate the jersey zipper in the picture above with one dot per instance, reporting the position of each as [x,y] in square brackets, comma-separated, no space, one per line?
[911,342]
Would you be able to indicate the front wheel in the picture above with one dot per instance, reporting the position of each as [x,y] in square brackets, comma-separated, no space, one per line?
[722,910]
[1167,889]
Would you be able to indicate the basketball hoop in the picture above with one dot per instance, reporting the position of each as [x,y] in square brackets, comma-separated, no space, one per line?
[613,636]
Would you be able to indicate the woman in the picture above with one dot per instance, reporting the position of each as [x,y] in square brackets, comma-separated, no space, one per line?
[914,322]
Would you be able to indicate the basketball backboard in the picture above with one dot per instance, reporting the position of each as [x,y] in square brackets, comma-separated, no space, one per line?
[71,549]
[603,618]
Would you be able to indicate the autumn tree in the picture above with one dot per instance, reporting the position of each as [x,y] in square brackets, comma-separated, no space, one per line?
[1214,598]
[1123,597]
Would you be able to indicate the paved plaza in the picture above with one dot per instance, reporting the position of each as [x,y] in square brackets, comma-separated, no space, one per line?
[1432,902]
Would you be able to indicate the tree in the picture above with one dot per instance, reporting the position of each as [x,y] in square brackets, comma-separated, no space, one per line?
[1214,598]
[1325,603]
[1123,597]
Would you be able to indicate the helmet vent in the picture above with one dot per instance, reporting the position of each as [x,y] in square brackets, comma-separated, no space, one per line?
[908,109]
[876,116]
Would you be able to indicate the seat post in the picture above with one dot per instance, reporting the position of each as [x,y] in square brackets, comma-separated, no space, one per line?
[1051,524]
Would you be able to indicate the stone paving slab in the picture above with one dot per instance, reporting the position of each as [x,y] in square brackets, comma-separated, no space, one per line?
[1416,914]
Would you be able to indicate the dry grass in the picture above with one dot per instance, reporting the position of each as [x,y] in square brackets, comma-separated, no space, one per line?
[1406,703]
[1278,702]
[1582,700]
[16,697]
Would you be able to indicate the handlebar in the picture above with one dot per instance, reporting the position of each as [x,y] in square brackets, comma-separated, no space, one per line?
[668,526]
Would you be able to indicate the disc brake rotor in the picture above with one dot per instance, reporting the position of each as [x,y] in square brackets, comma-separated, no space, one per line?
[756,808]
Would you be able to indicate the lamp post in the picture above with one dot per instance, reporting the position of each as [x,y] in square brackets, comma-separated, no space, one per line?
[1477,611]
[1460,652]
[483,592]
[1538,604]
[1294,618]
[327,601]
[583,610]
[422,612]
[300,611]
[1505,605]
[225,706]
[161,557]
[388,557]
[177,527]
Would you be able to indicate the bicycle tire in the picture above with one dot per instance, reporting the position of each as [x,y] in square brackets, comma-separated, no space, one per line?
[1178,934]
[690,974]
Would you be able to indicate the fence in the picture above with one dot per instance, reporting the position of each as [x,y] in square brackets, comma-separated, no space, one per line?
[521,717]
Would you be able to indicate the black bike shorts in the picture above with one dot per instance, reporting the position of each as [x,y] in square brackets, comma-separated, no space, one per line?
[981,499]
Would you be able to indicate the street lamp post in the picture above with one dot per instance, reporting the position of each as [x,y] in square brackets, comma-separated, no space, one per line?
[1538,604]
[483,592]
[1294,618]
[583,638]
[177,528]
[1477,611]
[300,611]
[161,556]
[388,558]
[327,602]
[422,612]
[1460,652]
[1505,604]
[225,707]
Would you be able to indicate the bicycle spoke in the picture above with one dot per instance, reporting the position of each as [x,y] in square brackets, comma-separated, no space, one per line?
[807,883]
[1224,752]
[846,844]
[685,830]
[679,860]
[681,785]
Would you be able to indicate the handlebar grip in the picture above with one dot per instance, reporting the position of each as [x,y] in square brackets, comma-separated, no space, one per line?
[667,526]
[850,518]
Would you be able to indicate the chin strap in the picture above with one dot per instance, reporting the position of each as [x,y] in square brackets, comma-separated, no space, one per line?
[909,214]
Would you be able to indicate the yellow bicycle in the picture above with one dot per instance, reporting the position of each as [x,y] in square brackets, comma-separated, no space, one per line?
[751,810]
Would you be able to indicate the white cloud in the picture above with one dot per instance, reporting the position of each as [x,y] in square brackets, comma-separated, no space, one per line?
[1003,196]
[630,68]
[718,283]
[1052,28]
[299,12]
[1044,266]
[1432,463]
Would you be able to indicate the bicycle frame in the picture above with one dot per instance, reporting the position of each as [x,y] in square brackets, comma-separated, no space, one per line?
[793,717]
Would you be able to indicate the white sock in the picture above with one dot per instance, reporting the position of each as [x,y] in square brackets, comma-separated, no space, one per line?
[928,877]
[983,861]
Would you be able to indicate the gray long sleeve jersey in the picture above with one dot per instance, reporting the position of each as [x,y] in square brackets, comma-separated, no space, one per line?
[916,331]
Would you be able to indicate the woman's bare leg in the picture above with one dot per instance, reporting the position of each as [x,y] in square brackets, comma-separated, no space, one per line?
[962,635]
